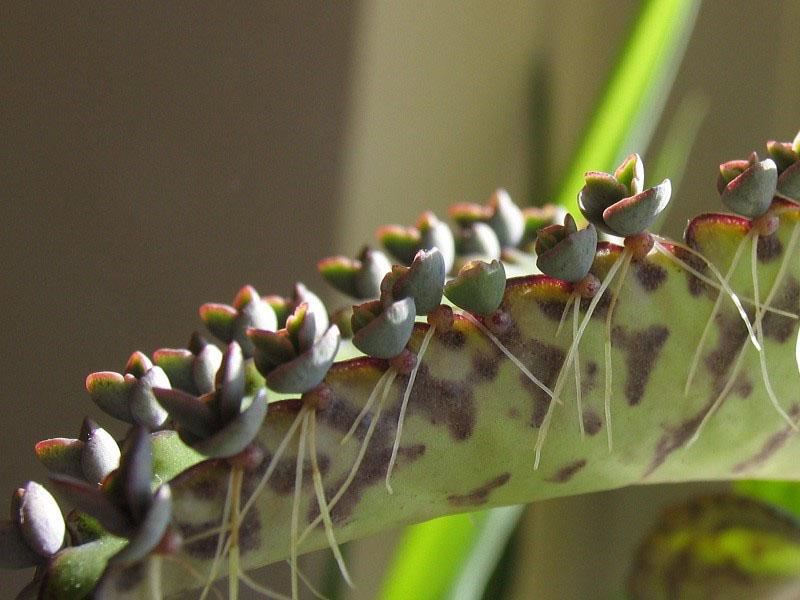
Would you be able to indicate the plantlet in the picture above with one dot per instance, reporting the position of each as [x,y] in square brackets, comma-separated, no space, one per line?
[209,481]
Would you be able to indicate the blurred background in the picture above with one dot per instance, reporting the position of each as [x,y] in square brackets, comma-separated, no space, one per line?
[160,155]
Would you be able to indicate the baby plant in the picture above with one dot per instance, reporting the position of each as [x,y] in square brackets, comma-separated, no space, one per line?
[435,394]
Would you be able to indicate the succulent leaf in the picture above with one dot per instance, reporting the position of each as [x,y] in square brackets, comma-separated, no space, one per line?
[750,192]
[635,214]
[506,219]
[39,519]
[149,531]
[478,239]
[423,281]
[385,334]
[307,370]
[401,242]
[564,253]
[437,234]
[478,287]
[238,432]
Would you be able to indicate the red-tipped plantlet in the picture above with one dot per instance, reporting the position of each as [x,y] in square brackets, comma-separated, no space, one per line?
[295,360]
[618,205]
[750,189]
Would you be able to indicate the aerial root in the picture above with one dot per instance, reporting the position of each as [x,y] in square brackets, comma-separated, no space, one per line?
[565,312]
[576,316]
[359,458]
[626,263]
[737,365]
[406,395]
[760,333]
[193,573]
[467,315]
[218,553]
[369,404]
[261,589]
[560,381]
[298,492]
[324,510]
[307,582]
[725,285]
[237,476]
[154,577]
[707,329]
[273,463]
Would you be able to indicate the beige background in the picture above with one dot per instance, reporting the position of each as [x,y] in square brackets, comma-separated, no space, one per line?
[158,156]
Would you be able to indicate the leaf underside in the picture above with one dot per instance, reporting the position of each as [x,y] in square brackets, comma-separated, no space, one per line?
[473,418]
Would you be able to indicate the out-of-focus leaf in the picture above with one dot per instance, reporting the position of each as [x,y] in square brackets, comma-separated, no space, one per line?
[428,557]
[490,540]
[784,494]
[635,92]
[719,547]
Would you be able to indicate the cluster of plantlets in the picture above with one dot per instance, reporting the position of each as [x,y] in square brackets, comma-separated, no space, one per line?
[202,415]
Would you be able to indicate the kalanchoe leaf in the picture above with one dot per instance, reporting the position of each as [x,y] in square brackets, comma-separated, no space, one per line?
[191,370]
[631,174]
[136,471]
[130,397]
[423,281]
[478,287]
[308,369]
[271,348]
[230,323]
[145,409]
[192,414]
[789,182]
[15,553]
[219,319]
[600,191]
[360,278]
[633,215]
[401,242]
[83,528]
[730,170]
[478,239]
[538,217]
[341,318]
[564,253]
[506,219]
[39,519]
[236,434]
[302,328]
[100,453]
[110,391]
[230,383]
[374,265]
[282,306]
[437,234]
[615,204]
[74,573]
[469,213]
[383,331]
[149,531]
[750,192]
[138,364]
[94,501]
[340,272]
[61,455]
[302,295]
[782,154]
